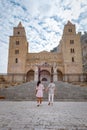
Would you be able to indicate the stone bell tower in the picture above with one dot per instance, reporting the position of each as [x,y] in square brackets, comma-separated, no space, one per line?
[18,49]
[71,50]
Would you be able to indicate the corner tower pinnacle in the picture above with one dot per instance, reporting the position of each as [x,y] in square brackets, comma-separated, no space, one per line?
[20,25]
[19,30]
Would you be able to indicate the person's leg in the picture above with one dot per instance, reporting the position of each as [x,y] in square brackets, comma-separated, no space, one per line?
[49,96]
[52,98]
[38,101]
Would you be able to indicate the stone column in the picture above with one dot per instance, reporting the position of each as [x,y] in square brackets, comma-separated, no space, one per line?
[55,74]
[12,77]
[65,78]
[24,77]
[81,78]
[36,74]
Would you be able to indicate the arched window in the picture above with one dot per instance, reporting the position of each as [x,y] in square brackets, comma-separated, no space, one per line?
[59,75]
[16,60]
[70,30]
[72,50]
[30,75]
[18,32]
[17,42]
[72,59]
[71,41]
[16,51]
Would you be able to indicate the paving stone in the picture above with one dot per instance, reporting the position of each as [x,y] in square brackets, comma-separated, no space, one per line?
[26,115]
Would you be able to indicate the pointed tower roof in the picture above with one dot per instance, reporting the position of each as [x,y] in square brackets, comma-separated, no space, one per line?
[69,23]
[20,24]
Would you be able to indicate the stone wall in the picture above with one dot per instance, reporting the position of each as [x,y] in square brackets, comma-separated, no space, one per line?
[22,78]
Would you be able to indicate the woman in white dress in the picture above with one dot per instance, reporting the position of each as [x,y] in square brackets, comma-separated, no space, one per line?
[39,92]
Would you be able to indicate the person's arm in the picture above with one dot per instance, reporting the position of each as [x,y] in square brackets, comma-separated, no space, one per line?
[43,88]
[36,89]
[46,89]
[55,90]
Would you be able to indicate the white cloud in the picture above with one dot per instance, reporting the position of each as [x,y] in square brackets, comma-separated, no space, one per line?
[3,58]
[43,21]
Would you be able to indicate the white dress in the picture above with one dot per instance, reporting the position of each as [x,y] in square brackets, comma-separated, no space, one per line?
[39,89]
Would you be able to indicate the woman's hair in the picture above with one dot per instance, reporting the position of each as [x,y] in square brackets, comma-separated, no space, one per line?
[38,83]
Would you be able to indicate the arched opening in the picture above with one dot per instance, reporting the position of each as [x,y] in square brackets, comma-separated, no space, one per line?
[30,76]
[45,75]
[44,79]
[59,75]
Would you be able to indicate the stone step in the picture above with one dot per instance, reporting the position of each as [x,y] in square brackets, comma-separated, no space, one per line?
[26,91]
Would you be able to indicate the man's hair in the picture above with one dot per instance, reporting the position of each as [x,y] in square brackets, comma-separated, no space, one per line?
[51,80]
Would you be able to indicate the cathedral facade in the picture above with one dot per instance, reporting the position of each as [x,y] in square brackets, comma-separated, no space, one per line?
[63,65]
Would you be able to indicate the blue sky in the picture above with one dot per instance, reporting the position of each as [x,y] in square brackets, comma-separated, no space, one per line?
[43,20]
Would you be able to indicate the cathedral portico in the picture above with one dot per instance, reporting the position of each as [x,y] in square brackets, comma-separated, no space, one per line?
[44,71]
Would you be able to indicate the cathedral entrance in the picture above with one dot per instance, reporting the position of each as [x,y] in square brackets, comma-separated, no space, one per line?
[44,72]
[30,76]
[45,75]
[59,75]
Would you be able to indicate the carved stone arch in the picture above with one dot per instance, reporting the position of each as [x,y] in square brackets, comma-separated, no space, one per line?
[59,75]
[30,75]
[45,75]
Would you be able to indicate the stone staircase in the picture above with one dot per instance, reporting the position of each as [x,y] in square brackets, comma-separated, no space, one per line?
[64,91]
